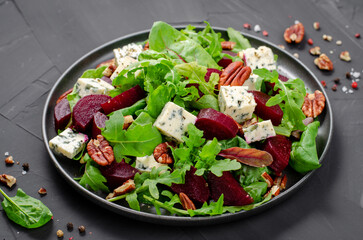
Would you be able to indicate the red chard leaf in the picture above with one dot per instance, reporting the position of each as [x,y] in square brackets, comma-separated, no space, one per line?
[249,156]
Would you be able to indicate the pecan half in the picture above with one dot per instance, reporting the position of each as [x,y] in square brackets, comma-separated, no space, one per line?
[235,75]
[100,151]
[228,45]
[126,187]
[128,119]
[109,70]
[267,178]
[294,33]
[9,160]
[186,202]
[314,104]
[8,180]
[323,62]
[162,153]
[315,51]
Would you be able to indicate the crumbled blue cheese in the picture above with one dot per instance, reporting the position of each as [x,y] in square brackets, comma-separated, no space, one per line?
[88,86]
[123,63]
[68,143]
[173,121]
[259,131]
[147,163]
[132,50]
[261,57]
[236,102]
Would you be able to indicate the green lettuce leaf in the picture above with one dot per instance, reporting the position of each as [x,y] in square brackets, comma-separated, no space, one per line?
[92,177]
[241,42]
[94,73]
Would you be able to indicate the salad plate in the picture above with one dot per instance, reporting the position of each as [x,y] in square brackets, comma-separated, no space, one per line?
[287,65]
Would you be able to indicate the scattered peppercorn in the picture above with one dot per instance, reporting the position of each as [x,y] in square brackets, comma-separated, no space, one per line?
[82,229]
[323,83]
[25,166]
[348,75]
[337,80]
[310,41]
[60,233]
[70,226]
[247,26]
[316,25]
[9,160]
[357,35]
[264,33]
[334,87]
[354,85]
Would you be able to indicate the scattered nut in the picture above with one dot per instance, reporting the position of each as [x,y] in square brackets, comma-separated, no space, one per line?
[345,56]
[281,46]
[316,25]
[257,28]
[294,33]
[100,151]
[314,104]
[126,187]
[82,229]
[348,75]
[267,178]
[315,51]
[247,26]
[228,45]
[9,160]
[296,55]
[8,180]
[324,63]
[128,119]
[327,37]
[162,153]
[60,234]
[235,75]
[25,166]
[338,42]
[186,202]
[42,191]
[70,226]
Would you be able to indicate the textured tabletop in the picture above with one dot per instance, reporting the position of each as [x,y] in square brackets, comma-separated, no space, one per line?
[40,39]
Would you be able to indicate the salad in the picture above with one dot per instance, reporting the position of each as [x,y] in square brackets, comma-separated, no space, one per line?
[188,122]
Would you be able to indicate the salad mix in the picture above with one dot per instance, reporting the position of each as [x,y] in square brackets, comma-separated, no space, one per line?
[187,122]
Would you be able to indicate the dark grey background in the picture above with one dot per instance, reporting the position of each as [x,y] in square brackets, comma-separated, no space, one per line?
[41,39]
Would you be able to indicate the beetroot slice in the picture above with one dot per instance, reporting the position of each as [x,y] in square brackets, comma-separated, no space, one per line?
[99,120]
[125,99]
[234,194]
[62,114]
[274,113]
[224,62]
[107,79]
[195,187]
[118,173]
[279,147]
[84,110]
[216,124]
[210,71]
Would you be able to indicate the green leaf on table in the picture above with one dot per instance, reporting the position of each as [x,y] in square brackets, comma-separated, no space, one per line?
[92,177]
[25,210]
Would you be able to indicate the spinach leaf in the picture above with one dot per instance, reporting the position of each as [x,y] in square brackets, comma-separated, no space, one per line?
[25,210]
[256,190]
[92,177]
[207,101]
[158,98]
[303,154]
[94,73]
[239,39]
[141,104]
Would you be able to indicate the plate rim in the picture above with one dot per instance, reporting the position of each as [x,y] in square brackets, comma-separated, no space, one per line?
[179,220]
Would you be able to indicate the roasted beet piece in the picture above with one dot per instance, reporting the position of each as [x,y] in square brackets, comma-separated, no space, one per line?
[274,113]
[118,173]
[209,72]
[195,187]
[62,114]
[99,120]
[84,110]
[107,79]
[216,124]
[125,99]
[234,194]
[279,147]
[225,61]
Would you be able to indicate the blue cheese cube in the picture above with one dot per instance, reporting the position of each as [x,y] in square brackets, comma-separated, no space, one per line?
[88,86]
[132,50]
[173,121]
[147,163]
[259,131]
[236,102]
[68,143]
[261,57]
[124,63]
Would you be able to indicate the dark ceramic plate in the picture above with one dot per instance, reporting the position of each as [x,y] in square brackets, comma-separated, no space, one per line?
[287,65]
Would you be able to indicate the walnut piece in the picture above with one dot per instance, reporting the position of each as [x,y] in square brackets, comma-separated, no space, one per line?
[228,45]
[345,56]
[8,180]
[324,63]
[235,74]
[162,153]
[100,151]
[126,187]
[314,104]
[294,33]
[128,119]
[186,202]
[315,51]
[9,160]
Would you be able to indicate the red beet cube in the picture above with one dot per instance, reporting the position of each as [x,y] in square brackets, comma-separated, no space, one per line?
[274,112]
[279,147]
[62,114]
[118,173]
[99,120]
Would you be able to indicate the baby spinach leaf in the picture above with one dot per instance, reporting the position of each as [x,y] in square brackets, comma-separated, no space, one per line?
[256,190]
[239,39]
[25,210]
[207,101]
[303,154]
[158,98]
[94,73]
[141,104]
[92,177]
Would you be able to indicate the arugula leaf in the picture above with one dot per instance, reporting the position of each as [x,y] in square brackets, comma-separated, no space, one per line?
[141,104]
[25,210]
[237,141]
[256,190]
[94,73]
[303,154]
[239,39]
[92,177]
[158,98]
[113,126]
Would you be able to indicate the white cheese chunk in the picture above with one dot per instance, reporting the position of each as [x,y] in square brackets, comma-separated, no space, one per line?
[124,63]
[147,163]
[259,131]
[132,50]
[261,57]
[88,86]
[236,102]
[68,143]
[173,121]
